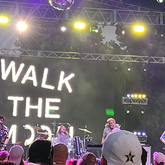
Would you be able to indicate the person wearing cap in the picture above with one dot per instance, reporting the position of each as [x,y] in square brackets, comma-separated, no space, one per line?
[16,154]
[60,154]
[87,159]
[121,148]
[41,152]
[4,138]
[159,158]
[110,127]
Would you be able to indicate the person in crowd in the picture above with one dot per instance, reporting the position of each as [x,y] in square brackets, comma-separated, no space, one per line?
[41,152]
[4,139]
[7,162]
[158,158]
[16,154]
[62,135]
[4,155]
[121,148]
[110,127]
[87,159]
[60,154]
[74,161]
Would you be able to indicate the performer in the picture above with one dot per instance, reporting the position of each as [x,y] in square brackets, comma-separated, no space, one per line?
[4,139]
[62,135]
[110,127]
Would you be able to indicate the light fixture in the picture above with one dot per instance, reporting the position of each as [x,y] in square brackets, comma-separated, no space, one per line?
[142,136]
[138,28]
[63,28]
[61,4]
[159,1]
[4,19]
[21,26]
[79,25]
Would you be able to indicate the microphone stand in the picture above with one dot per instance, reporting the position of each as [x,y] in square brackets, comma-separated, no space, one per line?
[54,127]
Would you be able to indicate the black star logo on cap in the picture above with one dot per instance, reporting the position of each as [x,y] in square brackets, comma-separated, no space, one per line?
[130,157]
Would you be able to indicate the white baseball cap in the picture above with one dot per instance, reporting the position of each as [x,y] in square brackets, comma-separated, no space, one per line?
[159,157]
[122,148]
[16,153]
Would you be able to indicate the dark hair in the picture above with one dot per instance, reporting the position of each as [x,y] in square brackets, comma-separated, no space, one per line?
[2,117]
[7,163]
[41,151]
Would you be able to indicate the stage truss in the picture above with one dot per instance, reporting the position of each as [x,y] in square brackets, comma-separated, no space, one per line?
[44,12]
[81,56]
[135,101]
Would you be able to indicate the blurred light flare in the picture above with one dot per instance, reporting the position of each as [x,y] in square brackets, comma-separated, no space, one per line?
[79,25]
[139,28]
[159,1]
[63,28]
[21,26]
[4,19]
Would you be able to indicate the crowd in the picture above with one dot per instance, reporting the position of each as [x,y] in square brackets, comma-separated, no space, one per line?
[119,147]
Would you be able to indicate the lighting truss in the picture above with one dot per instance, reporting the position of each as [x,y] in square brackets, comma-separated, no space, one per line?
[81,56]
[44,12]
[115,4]
[136,101]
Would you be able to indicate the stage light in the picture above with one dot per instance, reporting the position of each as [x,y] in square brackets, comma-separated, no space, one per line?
[123,32]
[128,111]
[129,69]
[21,26]
[142,136]
[144,96]
[159,1]
[138,28]
[79,25]
[61,4]
[140,96]
[63,28]
[128,95]
[3,19]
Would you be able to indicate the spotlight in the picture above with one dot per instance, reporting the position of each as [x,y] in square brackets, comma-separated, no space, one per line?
[138,28]
[128,111]
[142,136]
[63,28]
[3,19]
[123,32]
[21,26]
[129,69]
[80,25]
